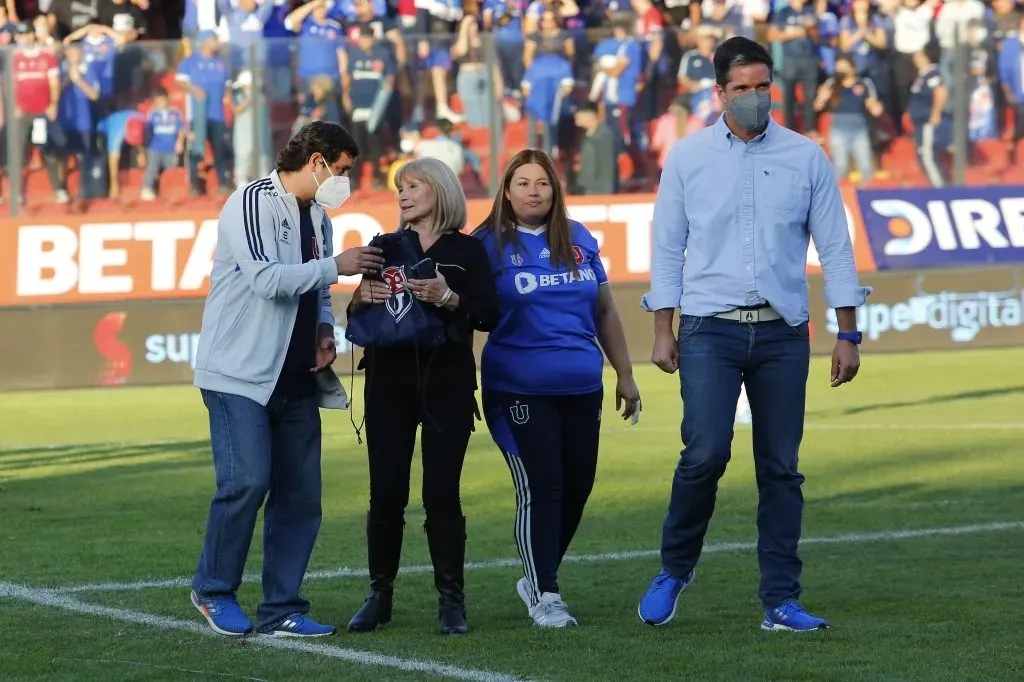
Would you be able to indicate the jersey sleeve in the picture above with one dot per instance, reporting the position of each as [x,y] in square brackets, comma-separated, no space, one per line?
[246,227]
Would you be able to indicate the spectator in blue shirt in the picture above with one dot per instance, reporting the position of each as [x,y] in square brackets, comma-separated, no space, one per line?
[933,126]
[321,43]
[347,11]
[204,75]
[548,80]
[432,60]
[541,372]
[828,36]
[245,19]
[365,91]
[387,32]
[796,28]
[697,76]
[166,131]
[618,72]
[100,45]
[743,296]
[504,19]
[851,100]
[280,45]
[81,89]
[862,35]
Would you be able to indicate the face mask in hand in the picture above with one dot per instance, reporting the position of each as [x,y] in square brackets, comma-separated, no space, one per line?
[751,110]
[332,192]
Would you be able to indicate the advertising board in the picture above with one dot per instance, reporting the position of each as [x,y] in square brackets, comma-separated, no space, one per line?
[931,310]
[946,227]
[140,342]
[81,259]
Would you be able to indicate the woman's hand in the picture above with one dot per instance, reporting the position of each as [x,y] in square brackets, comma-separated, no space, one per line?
[627,392]
[430,291]
[371,291]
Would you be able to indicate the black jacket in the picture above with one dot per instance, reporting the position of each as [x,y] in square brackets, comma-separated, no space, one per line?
[464,263]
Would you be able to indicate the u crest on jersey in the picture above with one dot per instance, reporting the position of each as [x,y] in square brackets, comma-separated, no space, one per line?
[520,413]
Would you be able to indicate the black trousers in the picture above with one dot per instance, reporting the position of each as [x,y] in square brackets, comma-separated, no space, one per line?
[393,414]
[371,149]
[903,75]
[550,444]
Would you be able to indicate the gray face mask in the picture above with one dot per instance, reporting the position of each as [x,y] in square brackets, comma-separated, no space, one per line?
[751,110]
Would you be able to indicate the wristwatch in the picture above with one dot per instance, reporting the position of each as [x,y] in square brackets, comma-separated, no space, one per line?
[853,337]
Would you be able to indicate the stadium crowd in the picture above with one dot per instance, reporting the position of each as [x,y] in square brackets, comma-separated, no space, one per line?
[605,85]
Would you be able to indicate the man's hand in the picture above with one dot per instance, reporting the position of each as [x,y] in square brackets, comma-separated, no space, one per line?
[326,350]
[666,353]
[362,260]
[845,363]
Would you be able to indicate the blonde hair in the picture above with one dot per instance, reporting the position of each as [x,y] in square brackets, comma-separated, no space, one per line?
[449,199]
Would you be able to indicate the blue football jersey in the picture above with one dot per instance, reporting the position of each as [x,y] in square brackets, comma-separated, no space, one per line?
[546,339]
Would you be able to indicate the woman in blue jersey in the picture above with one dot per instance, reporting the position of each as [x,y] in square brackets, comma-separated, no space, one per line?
[541,370]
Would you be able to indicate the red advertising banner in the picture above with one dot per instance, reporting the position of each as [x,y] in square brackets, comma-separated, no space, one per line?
[79,259]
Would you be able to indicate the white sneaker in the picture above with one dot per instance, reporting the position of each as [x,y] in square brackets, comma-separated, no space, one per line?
[62,197]
[147,194]
[551,612]
[525,589]
[443,111]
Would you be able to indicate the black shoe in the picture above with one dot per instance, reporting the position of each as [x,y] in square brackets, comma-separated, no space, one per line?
[375,612]
[384,550]
[452,617]
[447,542]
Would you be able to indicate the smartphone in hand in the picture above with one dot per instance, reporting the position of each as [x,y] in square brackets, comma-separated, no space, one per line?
[425,269]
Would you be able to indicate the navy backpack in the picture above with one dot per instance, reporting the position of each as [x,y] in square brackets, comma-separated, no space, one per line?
[403,320]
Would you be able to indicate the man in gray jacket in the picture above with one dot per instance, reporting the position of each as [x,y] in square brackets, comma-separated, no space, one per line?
[263,367]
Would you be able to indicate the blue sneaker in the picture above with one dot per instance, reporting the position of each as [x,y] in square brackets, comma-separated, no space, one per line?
[298,625]
[658,605]
[791,617]
[223,614]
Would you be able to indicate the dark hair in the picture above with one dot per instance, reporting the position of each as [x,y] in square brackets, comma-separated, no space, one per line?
[160,92]
[586,107]
[502,220]
[444,126]
[323,137]
[739,51]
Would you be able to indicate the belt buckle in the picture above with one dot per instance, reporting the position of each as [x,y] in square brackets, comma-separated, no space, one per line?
[750,316]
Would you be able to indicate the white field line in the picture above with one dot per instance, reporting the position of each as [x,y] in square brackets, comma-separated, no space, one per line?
[610,427]
[52,599]
[714,548]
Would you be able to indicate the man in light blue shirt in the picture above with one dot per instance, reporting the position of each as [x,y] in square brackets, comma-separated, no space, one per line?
[737,205]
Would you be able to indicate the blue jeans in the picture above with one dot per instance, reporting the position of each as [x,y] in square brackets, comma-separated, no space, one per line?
[846,143]
[270,453]
[716,356]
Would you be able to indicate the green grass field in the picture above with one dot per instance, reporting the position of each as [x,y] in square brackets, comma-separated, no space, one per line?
[105,486]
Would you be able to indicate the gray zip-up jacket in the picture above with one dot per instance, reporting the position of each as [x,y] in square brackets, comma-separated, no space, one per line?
[257,279]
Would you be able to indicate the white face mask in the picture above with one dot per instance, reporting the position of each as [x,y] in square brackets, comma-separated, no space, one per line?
[332,192]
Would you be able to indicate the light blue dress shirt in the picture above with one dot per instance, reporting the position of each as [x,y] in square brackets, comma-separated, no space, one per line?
[739,216]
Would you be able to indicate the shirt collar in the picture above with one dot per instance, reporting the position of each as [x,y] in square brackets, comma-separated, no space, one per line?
[722,131]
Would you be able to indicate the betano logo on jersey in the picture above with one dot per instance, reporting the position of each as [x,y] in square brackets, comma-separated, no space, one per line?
[949,226]
[527,282]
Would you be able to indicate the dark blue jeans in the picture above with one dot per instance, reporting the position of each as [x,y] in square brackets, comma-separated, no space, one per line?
[716,356]
[262,453]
